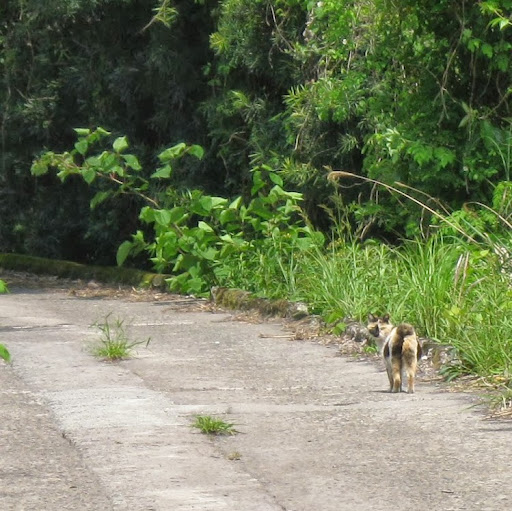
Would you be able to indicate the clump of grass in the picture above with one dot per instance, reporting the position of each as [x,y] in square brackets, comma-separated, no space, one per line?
[4,353]
[114,343]
[212,426]
[3,287]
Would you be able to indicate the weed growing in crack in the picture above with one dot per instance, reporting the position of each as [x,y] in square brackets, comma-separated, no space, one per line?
[114,343]
[212,426]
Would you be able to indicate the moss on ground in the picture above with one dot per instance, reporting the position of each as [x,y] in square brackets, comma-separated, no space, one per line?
[71,270]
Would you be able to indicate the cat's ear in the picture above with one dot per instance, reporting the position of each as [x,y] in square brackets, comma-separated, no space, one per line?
[385,318]
[371,317]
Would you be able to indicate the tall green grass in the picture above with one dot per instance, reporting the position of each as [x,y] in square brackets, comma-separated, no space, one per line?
[455,286]
[452,290]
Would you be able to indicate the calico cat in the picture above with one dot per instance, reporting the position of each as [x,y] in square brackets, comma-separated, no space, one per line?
[400,348]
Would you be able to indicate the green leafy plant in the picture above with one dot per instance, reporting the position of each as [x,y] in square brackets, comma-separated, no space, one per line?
[370,349]
[208,240]
[202,240]
[114,343]
[4,352]
[118,168]
[213,426]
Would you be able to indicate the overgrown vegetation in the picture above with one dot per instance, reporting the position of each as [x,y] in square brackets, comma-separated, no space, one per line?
[204,240]
[393,90]
[213,426]
[114,343]
[453,283]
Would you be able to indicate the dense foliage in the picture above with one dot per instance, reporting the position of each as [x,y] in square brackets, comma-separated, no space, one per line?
[415,92]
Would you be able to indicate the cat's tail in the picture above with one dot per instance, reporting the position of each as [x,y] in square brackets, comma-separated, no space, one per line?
[404,330]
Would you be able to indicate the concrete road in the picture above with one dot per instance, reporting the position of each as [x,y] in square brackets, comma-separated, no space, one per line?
[317,432]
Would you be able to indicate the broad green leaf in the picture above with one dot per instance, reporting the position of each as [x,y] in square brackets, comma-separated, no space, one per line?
[120,144]
[81,146]
[132,161]
[210,254]
[258,182]
[117,169]
[147,214]
[138,239]
[278,192]
[163,172]
[218,202]
[99,198]
[197,151]
[82,132]
[177,214]
[169,244]
[196,285]
[88,174]
[38,168]
[177,283]
[504,23]
[227,215]
[123,251]
[226,238]
[275,178]
[93,161]
[63,174]
[304,243]
[162,217]
[258,207]
[318,237]
[487,50]
[208,202]
[236,203]
[474,44]
[204,226]
[4,353]
[172,152]
[3,287]
[102,131]
[107,161]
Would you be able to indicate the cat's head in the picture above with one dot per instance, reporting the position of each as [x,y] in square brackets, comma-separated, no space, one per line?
[379,326]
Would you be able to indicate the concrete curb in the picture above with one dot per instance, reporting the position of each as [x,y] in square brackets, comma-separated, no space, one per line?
[71,270]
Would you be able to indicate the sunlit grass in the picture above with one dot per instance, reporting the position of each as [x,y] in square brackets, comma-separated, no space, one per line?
[114,343]
[213,426]
[450,289]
